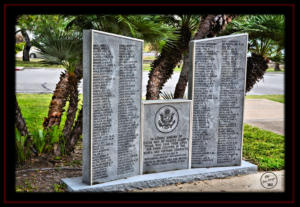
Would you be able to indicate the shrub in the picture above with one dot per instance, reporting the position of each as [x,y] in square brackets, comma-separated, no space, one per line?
[44,140]
[21,153]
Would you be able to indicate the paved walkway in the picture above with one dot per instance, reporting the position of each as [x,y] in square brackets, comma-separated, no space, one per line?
[242,183]
[265,114]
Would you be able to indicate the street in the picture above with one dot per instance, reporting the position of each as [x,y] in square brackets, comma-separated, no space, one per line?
[45,80]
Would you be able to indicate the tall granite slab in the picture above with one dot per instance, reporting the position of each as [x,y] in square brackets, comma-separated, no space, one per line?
[217,87]
[112,82]
[166,134]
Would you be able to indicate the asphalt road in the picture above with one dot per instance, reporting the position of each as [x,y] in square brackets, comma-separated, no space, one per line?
[44,81]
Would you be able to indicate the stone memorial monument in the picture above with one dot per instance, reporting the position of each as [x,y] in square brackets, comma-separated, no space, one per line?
[166,135]
[217,88]
[111,105]
[129,144]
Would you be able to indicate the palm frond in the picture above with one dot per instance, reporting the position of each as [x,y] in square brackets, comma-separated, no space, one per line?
[59,47]
[266,32]
[166,95]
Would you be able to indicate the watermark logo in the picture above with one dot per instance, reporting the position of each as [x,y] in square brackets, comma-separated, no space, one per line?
[268,180]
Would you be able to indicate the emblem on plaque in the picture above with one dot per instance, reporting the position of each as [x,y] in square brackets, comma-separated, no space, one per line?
[166,119]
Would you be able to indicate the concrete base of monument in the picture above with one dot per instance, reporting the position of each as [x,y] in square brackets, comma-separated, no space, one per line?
[160,179]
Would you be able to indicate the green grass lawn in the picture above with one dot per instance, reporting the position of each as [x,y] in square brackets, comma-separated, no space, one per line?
[264,148]
[272,70]
[35,64]
[34,108]
[278,98]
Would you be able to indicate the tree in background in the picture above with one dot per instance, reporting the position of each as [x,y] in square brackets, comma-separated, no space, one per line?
[278,59]
[20,42]
[26,23]
[171,53]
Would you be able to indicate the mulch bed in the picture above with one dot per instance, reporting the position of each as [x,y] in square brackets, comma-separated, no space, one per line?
[40,175]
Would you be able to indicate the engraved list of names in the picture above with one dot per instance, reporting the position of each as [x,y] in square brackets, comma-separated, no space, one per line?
[219,67]
[114,101]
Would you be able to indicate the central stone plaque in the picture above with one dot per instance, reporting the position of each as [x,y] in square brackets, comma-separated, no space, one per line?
[112,82]
[166,135]
[217,87]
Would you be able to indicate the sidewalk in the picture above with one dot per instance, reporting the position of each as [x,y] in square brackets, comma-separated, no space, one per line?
[262,113]
[243,183]
[265,114]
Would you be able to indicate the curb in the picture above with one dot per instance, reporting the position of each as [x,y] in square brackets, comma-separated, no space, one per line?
[19,68]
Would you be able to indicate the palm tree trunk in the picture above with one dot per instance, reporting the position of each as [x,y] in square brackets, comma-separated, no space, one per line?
[58,102]
[277,68]
[162,67]
[74,80]
[183,78]
[27,46]
[75,134]
[73,101]
[20,122]
[256,68]
[66,88]
[210,26]
[22,128]
[72,135]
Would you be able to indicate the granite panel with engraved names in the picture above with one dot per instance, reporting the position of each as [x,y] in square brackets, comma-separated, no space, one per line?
[112,81]
[217,87]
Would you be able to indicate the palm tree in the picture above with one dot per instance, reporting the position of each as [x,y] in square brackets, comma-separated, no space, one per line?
[210,26]
[266,40]
[64,48]
[278,58]
[146,27]
[139,26]
[264,31]
[171,54]
[256,67]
